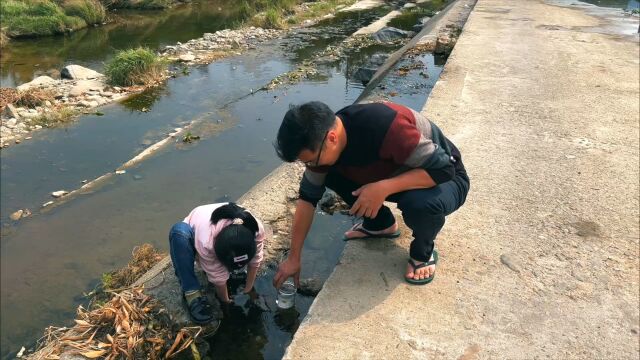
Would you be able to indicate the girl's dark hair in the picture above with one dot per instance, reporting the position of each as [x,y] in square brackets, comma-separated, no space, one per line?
[235,245]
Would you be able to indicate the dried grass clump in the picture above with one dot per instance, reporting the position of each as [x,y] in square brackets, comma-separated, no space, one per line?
[34,97]
[130,326]
[7,96]
[144,257]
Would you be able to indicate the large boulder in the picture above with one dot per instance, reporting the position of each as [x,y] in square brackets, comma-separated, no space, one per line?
[37,82]
[390,34]
[77,72]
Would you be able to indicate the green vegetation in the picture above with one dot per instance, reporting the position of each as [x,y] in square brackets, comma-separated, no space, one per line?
[189,137]
[91,11]
[45,17]
[135,67]
[58,116]
[318,9]
[270,19]
[138,4]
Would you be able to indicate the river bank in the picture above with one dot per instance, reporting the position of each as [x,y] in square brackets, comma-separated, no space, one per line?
[83,93]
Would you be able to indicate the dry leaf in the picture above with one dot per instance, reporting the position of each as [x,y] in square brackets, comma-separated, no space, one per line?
[93,354]
[82,323]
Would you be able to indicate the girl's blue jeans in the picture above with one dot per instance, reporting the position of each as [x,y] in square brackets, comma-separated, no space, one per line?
[183,255]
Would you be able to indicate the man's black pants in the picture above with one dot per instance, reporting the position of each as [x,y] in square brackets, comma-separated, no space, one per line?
[423,210]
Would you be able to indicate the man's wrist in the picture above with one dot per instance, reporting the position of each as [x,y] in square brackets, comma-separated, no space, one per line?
[387,187]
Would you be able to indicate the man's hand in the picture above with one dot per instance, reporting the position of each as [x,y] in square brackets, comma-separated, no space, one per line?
[290,267]
[370,199]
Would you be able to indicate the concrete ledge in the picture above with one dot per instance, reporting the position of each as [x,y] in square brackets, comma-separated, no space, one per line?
[542,261]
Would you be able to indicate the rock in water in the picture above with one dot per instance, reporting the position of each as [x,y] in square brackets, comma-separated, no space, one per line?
[310,287]
[85,86]
[378,59]
[77,72]
[389,34]
[364,74]
[59,193]
[39,81]
[10,112]
[187,57]
[16,215]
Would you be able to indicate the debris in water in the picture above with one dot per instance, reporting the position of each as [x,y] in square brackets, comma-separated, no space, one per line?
[120,172]
[59,193]
[16,215]
[47,203]
[189,137]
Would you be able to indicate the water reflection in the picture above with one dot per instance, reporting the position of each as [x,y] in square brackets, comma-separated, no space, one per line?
[92,47]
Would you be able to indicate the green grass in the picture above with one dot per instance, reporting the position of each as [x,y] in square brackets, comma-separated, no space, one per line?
[318,9]
[138,4]
[58,116]
[135,67]
[43,17]
[91,11]
[270,19]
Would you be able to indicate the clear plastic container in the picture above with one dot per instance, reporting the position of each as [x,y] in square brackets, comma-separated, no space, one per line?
[286,295]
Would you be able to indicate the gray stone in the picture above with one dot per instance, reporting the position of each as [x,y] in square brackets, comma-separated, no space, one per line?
[444,44]
[77,72]
[378,59]
[364,74]
[409,5]
[16,215]
[39,81]
[10,111]
[11,123]
[389,34]
[510,262]
[187,57]
[59,193]
[84,86]
[30,115]
[310,287]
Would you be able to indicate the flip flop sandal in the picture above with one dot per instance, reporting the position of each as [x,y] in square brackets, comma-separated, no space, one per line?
[433,261]
[359,228]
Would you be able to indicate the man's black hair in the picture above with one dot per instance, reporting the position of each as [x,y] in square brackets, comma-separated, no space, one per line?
[235,245]
[303,127]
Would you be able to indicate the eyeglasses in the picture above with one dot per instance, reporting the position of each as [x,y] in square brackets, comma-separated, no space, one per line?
[315,163]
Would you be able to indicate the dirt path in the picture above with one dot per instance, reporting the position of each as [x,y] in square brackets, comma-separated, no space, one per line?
[542,261]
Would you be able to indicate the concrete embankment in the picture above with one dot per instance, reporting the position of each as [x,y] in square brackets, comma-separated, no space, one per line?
[542,260]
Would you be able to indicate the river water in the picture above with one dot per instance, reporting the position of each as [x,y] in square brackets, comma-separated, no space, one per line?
[51,258]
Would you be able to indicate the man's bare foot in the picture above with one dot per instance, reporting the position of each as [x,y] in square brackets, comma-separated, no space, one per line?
[421,273]
[359,232]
